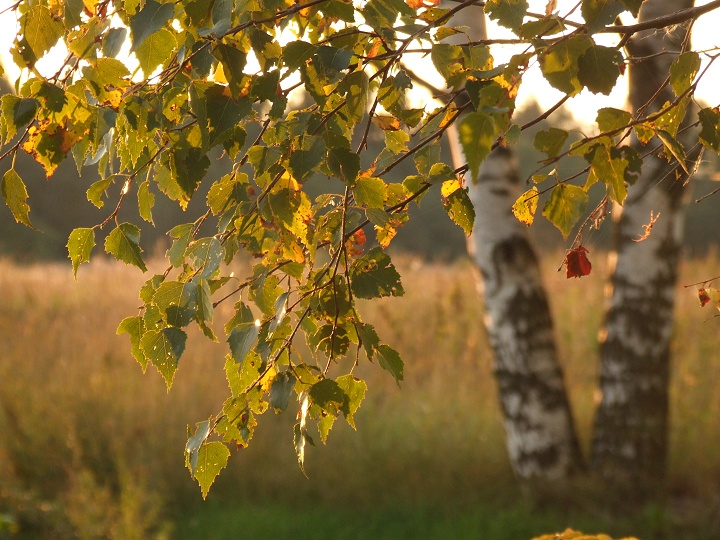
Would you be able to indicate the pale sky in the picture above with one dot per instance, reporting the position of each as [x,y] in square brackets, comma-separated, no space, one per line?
[583,106]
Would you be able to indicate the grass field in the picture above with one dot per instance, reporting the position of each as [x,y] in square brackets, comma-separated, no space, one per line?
[92,448]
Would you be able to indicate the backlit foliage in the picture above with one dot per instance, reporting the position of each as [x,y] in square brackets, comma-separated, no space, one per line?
[147,91]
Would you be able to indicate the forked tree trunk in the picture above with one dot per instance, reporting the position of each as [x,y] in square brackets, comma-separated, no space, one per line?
[631,425]
[541,439]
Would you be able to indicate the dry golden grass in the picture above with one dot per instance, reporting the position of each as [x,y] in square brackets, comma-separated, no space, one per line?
[89,443]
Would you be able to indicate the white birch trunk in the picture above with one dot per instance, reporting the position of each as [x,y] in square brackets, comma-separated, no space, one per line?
[630,437]
[541,438]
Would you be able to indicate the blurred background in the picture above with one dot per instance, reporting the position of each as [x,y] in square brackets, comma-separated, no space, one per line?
[90,447]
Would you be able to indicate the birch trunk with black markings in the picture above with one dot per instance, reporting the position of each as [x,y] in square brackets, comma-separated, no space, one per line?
[541,439]
[631,426]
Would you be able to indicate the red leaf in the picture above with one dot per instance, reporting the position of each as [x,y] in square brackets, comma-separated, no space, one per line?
[577,262]
[703,296]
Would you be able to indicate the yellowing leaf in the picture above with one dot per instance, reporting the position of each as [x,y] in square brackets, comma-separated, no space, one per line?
[79,246]
[674,147]
[526,205]
[41,30]
[683,71]
[212,457]
[15,196]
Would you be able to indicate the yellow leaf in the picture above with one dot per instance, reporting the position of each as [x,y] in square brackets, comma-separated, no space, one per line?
[449,187]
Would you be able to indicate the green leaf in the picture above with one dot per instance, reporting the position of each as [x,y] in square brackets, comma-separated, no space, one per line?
[15,196]
[296,53]
[80,244]
[674,147]
[600,13]
[441,172]
[177,302]
[155,50]
[149,20]
[241,340]
[390,360]
[610,166]
[113,41]
[426,158]
[328,395]
[526,205]
[344,163]
[559,64]
[565,207]
[233,61]
[134,327]
[231,188]
[382,14]
[280,391]
[477,133]
[357,96]
[205,305]
[370,192]
[373,275]
[182,235]
[307,158]
[550,141]
[508,13]
[672,117]
[710,132]
[123,243]
[205,253]
[609,119]
[599,68]
[212,457]
[96,190]
[448,59]
[354,390]
[146,201]
[333,58]
[224,112]
[683,71]
[16,113]
[163,348]
[41,30]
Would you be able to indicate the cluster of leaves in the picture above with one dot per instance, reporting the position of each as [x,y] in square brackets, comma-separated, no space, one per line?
[569,534]
[223,74]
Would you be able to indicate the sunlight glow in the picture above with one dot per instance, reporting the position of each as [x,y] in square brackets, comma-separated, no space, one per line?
[534,88]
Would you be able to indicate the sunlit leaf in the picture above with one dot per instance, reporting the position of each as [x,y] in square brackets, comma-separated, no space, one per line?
[123,243]
[565,207]
[373,276]
[80,244]
[212,457]
[15,196]
[163,348]
[508,13]
[525,206]
[683,71]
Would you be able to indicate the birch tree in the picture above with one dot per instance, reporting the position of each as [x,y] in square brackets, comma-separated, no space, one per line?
[145,91]
[541,438]
[631,426]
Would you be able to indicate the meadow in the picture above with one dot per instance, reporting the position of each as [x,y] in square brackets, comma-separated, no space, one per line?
[90,447]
